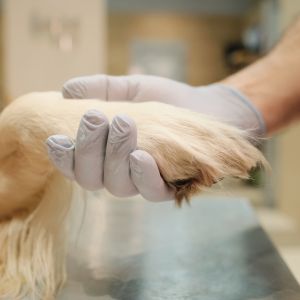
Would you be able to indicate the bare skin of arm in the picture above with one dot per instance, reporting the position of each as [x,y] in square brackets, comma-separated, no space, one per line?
[273,83]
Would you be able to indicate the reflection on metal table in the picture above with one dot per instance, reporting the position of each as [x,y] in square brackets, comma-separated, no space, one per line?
[213,249]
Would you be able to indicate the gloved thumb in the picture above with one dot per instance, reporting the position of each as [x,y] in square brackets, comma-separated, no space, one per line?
[104,87]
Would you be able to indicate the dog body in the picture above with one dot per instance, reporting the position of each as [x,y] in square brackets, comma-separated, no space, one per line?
[192,152]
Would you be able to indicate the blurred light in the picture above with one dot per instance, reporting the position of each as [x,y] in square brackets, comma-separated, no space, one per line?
[61,32]
[66,43]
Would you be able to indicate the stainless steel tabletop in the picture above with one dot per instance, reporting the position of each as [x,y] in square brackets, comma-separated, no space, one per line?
[213,249]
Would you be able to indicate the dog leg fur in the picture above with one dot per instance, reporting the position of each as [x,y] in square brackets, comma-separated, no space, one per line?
[192,152]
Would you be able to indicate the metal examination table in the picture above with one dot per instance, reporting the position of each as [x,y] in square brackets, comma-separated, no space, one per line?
[214,249]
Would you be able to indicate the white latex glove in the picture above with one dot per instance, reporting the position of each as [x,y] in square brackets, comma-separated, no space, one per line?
[106,155]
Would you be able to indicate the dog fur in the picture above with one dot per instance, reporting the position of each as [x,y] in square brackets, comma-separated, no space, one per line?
[192,152]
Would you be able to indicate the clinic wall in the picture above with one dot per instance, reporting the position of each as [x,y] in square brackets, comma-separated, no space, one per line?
[2,95]
[289,11]
[203,36]
[288,141]
[34,63]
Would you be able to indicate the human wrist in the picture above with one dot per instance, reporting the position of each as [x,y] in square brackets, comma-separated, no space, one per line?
[227,104]
[271,88]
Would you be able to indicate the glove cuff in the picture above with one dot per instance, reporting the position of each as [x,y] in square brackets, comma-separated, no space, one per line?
[233,107]
[247,102]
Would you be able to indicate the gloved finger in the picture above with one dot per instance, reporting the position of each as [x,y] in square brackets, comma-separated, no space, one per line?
[102,87]
[146,177]
[61,153]
[90,149]
[122,140]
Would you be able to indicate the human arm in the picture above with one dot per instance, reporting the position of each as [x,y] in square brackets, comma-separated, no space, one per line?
[140,174]
[272,83]
[260,99]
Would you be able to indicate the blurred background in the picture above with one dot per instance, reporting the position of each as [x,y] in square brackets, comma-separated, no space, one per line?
[45,42]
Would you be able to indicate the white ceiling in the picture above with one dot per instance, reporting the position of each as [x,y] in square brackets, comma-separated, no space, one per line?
[223,7]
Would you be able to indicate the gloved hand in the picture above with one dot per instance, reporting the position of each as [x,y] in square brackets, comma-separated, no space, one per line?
[106,155]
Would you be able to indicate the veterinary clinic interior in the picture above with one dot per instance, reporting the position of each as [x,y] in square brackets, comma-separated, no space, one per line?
[199,198]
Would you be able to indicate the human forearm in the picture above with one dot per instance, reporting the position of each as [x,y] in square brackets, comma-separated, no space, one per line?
[272,84]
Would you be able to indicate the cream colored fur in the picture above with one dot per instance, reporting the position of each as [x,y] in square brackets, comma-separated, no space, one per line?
[192,152]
